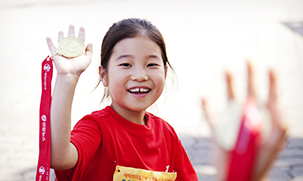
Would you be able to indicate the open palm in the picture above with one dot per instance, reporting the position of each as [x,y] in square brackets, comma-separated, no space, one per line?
[271,145]
[74,66]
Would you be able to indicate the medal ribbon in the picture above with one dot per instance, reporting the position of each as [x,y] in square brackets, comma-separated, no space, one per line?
[43,168]
[243,155]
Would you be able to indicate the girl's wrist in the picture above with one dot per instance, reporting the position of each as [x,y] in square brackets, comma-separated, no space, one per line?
[71,78]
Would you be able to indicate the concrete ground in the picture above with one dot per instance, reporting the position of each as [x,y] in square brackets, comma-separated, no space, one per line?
[203,39]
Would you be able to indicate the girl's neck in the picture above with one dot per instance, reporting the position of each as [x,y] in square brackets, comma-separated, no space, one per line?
[137,117]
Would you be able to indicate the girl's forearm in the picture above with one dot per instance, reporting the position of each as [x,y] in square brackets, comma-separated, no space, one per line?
[61,120]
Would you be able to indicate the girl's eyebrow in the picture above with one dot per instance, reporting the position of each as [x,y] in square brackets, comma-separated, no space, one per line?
[127,56]
[154,56]
[123,56]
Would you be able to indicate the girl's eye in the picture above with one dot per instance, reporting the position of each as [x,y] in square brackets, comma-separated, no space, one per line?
[152,65]
[125,65]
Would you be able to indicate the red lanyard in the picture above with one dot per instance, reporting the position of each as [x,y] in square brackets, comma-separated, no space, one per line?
[243,155]
[43,168]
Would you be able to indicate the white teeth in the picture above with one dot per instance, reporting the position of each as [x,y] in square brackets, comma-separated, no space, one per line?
[143,90]
[136,90]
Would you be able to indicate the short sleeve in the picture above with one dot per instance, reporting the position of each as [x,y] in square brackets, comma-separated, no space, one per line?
[86,136]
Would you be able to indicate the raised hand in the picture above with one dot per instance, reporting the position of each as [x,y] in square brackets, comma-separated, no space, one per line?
[64,155]
[270,146]
[74,66]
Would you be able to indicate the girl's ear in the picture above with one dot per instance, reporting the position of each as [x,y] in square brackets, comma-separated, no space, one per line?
[103,76]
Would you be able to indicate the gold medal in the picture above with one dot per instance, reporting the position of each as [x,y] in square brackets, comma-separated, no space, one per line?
[70,47]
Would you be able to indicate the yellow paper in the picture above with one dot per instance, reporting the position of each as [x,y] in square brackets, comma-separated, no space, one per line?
[135,174]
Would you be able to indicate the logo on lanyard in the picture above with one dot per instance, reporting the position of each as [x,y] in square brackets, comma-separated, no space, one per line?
[42,170]
[43,124]
[46,67]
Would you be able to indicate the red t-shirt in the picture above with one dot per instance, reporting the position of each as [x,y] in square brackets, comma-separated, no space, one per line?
[104,139]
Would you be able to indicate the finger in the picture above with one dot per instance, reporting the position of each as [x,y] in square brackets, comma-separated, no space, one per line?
[81,34]
[278,119]
[251,86]
[60,35]
[89,50]
[71,30]
[207,114]
[51,46]
[229,83]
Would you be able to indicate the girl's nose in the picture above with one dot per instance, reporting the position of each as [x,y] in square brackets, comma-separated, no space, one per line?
[139,75]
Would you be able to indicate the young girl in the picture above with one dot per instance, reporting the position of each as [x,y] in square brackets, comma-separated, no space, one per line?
[133,71]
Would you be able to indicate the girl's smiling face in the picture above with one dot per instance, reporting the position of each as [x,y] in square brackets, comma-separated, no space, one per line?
[135,75]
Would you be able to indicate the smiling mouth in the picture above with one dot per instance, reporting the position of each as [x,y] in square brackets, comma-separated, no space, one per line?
[139,90]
